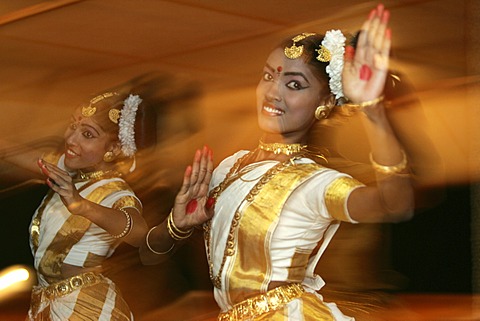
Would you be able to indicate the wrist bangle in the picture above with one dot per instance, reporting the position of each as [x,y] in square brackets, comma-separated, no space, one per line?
[176,233]
[368,102]
[391,169]
[128,226]
[150,248]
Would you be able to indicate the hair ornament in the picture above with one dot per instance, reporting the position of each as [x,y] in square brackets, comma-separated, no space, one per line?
[295,51]
[126,130]
[334,44]
[324,54]
[88,111]
[114,115]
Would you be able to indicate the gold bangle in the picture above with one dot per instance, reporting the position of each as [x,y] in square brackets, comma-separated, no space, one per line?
[391,169]
[368,102]
[128,226]
[150,248]
[176,233]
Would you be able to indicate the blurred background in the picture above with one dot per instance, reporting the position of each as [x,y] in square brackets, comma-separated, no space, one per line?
[206,58]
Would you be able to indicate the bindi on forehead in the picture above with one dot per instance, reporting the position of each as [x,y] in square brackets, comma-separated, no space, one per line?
[279,69]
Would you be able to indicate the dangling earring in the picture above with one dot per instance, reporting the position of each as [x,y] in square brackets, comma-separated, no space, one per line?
[108,157]
[322,112]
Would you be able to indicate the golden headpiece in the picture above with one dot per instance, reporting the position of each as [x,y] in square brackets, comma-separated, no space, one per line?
[295,51]
[90,110]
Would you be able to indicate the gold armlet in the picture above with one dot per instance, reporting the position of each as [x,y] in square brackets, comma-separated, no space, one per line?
[176,233]
[391,169]
[128,226]
[150,248]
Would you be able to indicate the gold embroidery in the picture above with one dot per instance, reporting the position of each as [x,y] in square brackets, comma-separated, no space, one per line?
[259,219]
[72,231]
[336,197]
[298,266]
[128,201]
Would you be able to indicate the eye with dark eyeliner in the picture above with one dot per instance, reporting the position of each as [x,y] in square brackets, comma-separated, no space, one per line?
[267,76]
[295,85]
[88,134]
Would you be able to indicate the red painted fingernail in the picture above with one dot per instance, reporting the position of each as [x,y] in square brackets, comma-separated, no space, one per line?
[386,16]
[365,72]
[210,203]
[191,206]
[349,52]
[388,33]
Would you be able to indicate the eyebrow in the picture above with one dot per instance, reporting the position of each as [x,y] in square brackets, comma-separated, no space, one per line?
[84,125]
[289,73]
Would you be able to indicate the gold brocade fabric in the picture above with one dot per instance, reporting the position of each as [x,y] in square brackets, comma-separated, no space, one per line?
[71,232]
[337,194]
[259,219]
[81,297]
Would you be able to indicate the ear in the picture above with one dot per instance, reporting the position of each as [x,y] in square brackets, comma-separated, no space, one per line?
[330,101]
[116,148]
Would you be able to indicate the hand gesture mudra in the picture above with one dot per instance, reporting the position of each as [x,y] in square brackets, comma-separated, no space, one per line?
[366,67]
[62,184]
[191,201]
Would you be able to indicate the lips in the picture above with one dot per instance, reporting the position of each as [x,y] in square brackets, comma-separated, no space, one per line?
[70,153]
[272,110]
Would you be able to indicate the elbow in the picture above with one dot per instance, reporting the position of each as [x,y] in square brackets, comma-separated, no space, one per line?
[401,212]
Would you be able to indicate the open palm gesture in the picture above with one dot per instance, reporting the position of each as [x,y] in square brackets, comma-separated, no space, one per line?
[189,209]
[365,69]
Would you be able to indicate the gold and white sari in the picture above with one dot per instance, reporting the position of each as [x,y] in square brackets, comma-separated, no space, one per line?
[58,237]
[272,224]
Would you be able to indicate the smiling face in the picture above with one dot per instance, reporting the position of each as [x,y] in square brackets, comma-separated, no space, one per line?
[287,96]
[85,144]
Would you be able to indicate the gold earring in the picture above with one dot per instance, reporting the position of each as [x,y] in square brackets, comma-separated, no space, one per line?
[108,157]
[322,112]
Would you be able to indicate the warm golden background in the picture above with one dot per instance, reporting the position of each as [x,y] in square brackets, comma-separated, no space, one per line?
[208,55]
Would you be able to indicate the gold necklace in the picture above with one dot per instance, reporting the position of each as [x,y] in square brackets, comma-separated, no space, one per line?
[281,148]
[96,175]
[215,193]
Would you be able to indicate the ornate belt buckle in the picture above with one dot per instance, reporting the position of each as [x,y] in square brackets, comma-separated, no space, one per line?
[62,288]
[76,282]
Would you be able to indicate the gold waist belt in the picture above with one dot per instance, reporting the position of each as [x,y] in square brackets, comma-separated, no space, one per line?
[69,285]
[263,303]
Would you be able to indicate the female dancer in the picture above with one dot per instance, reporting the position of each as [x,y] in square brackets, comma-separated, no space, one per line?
[276,209]
[89,210]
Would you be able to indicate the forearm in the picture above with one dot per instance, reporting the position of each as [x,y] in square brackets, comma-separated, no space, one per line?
[390,163]
[157,246]
[22,156]
[126,224]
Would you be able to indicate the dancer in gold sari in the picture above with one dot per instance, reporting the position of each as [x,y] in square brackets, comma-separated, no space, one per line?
[276,208]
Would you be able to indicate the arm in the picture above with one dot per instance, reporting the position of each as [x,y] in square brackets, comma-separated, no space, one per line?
[192,208]
[364,79]
[24,156]
[128,223]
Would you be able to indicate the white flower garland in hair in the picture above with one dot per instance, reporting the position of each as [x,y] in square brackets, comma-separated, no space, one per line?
[126,130]
[334,41]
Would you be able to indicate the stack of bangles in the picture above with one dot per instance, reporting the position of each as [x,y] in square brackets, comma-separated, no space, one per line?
[397,169]
[174,232]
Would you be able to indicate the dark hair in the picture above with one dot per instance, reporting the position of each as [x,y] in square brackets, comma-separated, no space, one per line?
[146,116]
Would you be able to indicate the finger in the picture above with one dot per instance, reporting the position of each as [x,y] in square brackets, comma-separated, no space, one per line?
[375,23]
[203,165]
[195,167]
[381,30]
